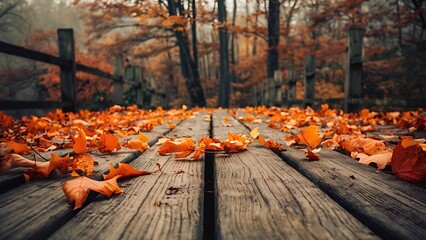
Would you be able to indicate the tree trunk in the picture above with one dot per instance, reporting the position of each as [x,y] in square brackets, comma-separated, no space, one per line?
[273,36]
[188,66]
[224,87]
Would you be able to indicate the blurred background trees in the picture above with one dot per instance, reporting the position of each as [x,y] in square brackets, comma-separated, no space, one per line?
[191,46]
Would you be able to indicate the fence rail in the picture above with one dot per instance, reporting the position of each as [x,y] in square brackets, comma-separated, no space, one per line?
[269,91]
[68,69]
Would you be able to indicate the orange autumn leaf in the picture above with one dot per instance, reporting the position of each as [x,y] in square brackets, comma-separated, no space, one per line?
[171,125]
[80,142]
[184,146]
[19,148]
[381,159]
[368,146]
[143,137]
[123,170]
[207,143]
[409,163]
[83,164]
[108,143]
[43,169]
[310,136]
[235,143]
[78,189]
[268,143]
[137,144]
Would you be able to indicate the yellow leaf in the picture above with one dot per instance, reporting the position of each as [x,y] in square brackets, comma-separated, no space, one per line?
[255,132]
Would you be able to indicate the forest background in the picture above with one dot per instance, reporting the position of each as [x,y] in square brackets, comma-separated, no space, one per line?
[202,51]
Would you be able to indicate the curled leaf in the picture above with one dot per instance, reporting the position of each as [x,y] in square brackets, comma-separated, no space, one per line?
[78,189]
[182,146]
[123,170]
[137,144]
[310,155]
[268,143]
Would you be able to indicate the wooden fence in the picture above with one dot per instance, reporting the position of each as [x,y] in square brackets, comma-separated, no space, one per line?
[270,91]
[131,75]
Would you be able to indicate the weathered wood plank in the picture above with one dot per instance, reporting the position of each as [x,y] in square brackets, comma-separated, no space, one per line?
[135,215]
[392,208]
[260,196]
[37,209]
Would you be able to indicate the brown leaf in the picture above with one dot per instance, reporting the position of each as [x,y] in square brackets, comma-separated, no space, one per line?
[78,189]
[409,163]
[310,155]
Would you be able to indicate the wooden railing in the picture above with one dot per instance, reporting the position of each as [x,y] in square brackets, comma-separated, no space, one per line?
[269,92]
[131,76]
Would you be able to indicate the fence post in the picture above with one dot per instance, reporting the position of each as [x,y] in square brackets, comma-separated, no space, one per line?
[271,91]
[292,79]
[67,74]
[139,92]
[265,92]
[130,75]
[278,87]
[353,75]
[118,85]
[309,81]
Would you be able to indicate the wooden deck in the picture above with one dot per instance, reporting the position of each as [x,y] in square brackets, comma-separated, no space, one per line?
[254,194]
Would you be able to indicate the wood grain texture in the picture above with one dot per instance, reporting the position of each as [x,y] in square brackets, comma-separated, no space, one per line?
[389,206]
[36,209]
[134,214]
[260,196]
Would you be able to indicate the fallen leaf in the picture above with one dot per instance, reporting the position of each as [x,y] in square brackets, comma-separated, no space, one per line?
[19,148]
[268,143]
[124,170]
[83,164]
[381,159]
[108,143]
[310,155]
[409,163]
[310,136]
[78,189]
[80,142]
[182,146]
[143,137]
[137,144]
[368,146]
[254,133]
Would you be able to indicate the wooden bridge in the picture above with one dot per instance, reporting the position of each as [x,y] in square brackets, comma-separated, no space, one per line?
[254,194]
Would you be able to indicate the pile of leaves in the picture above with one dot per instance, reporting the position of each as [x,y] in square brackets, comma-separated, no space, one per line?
[348,133]
[82,133]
